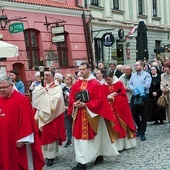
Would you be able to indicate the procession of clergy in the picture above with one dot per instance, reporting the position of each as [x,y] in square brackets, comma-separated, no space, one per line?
[101,123]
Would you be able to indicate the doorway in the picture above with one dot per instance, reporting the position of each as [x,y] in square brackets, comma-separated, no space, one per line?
[120,52]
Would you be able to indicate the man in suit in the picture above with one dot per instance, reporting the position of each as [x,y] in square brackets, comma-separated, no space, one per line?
[112,67]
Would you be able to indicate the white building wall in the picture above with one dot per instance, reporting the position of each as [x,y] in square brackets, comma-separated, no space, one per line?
[127,17]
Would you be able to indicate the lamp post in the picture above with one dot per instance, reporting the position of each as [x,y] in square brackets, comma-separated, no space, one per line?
[3,19]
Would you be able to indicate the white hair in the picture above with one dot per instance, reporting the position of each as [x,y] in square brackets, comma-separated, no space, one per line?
[59,76]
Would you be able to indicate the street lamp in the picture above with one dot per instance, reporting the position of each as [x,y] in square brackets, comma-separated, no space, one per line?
[3,19]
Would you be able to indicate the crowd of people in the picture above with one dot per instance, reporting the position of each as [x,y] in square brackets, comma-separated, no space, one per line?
[100,112]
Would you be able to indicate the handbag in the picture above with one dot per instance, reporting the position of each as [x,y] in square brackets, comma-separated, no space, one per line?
[161,102]
[138,101]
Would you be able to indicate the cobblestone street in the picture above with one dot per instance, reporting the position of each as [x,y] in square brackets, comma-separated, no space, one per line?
[152,154]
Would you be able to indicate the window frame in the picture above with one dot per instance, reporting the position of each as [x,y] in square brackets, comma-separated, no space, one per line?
[63,50]
[95,2]
[155,12]
[157,43]
[30,49]
[116,4]
[141,7]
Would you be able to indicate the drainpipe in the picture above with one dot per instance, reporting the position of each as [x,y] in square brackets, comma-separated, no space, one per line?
[85,4]
[76,2]
[88,40]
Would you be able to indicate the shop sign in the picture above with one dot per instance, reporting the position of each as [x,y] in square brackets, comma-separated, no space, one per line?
[16,27]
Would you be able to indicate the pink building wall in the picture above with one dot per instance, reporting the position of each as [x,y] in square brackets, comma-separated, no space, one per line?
[76,37]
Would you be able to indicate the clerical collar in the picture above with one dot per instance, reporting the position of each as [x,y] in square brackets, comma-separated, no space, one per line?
[154,75]
[49,85]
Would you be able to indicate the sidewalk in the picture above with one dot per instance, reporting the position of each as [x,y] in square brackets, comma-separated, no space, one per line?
[152,154]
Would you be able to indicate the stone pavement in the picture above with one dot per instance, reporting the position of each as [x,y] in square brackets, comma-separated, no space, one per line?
[152,154]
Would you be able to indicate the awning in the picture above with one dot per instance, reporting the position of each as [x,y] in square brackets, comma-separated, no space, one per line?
[8,50]
[163,49]
[159,50]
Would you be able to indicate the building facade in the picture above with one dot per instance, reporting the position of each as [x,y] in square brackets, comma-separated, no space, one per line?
[53,36]
[109,16]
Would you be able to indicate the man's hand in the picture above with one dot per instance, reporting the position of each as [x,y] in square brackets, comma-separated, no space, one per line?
[20,144]
[79,104]
[154,94]
[165,91]
[110,98]
[113,94]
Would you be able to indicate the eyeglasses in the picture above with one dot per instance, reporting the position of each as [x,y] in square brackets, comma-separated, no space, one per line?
[47,75]
[4,87]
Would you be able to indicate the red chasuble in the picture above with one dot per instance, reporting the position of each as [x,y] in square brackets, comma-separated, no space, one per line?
[54,131]
[120,107]
[17,122]
[97,104]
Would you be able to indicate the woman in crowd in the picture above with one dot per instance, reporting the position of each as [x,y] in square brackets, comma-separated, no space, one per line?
[165,87]
[14,74]
[59,78]
[99,75]
[36,82]
[156,113]
[117,98]
[69,80]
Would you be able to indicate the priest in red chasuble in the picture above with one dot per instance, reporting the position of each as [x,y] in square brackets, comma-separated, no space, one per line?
[49,104]
[94,129]
[20,147]
[114,90]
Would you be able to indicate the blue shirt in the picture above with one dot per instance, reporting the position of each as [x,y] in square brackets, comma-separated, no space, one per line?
[140,79]
[20,86]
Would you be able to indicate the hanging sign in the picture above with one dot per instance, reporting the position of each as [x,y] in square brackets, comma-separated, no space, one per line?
[108,39]
[58,38]
[16,27]
[57,30]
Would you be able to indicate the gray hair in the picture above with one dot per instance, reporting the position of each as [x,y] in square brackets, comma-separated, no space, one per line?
[37,74]
[59,76]
[8,79]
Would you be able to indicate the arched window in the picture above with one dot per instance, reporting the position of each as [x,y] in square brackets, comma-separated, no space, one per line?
[32,47]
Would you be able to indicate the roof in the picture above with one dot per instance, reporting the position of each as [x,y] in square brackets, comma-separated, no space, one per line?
[50,3]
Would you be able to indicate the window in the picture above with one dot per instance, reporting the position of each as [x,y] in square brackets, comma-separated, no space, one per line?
[62,54]
[140,6]
[157,43]
[32,47]
[116,4]
[98,50]
[155,8]
[94,2]
[51,57]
